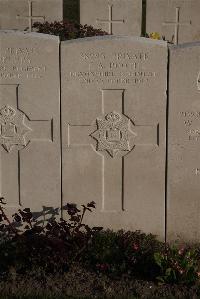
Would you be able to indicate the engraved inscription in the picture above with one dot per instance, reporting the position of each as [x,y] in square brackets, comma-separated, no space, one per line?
[113,68]
[12,128]
[18,63]
[113,134]
[191,122]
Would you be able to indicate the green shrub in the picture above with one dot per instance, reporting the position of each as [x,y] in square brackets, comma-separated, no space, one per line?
[178,265]
[52,247]
[118,253]
[26,245]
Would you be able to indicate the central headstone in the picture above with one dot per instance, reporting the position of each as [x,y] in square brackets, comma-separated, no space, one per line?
[113,130]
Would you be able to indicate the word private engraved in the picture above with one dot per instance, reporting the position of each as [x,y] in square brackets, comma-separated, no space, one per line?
[12,128]
[113,134]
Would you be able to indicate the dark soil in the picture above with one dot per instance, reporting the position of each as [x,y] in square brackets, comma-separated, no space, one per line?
[80,283]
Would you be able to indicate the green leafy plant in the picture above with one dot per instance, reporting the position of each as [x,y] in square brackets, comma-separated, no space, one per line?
[177,265]
[121,253]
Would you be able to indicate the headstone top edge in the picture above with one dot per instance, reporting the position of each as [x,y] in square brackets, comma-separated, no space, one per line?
[117,37]
[30,34]
[185,45]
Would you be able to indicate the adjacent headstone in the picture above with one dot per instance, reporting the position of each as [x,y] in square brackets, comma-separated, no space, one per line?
[177,20]
[113,99]
[29,120]
[21,14]
[118,17]
[183,215]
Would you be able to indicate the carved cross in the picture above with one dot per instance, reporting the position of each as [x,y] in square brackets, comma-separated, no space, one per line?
[30,16]
[177,24]
[110,20]
[17,131]
[115,136]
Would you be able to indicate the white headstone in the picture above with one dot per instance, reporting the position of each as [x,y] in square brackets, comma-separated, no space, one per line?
[29,120]
[118,17]
[21,14]
[113,103]
[177,20]
[183,215]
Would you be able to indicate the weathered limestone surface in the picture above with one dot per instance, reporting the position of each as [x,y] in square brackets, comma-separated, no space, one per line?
[177,20]
[122,17]
[21,14]
[29,120]
[113,102]
[184,143]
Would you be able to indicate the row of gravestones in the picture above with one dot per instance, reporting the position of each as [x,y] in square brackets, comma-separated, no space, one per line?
[177,20]
[97,119]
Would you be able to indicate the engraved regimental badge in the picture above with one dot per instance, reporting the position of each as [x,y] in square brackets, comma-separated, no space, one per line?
[12,128]
[113,134]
